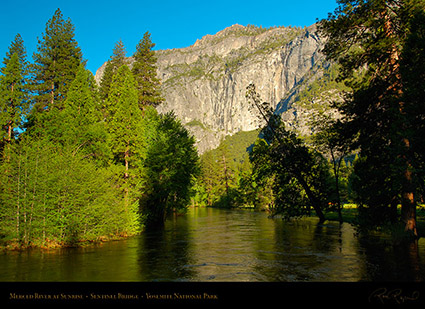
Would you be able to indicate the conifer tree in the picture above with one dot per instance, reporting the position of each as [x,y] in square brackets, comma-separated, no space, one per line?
[210,176]
[79,124]
[114,63]
[227,174]
[368,39]
[13,89]
[56,63]
[123,123]
[145,73]
[17,46]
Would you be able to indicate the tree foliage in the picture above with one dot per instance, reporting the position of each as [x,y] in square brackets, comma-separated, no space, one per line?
[371,40]
[55,64]
[291,159]
[14,92]
[80,124]
[53,196]
[145,72]
[84,158]
[116,61]
[170,165]
[225,179]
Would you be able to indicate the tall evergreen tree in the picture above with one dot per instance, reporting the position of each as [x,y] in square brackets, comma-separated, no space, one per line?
[116,60]
[414,91]
[56,63]
[17,46]
[209,175]
[123,124]
[368,38]
[80,122]
[145,73]
[227,172]
[14,98]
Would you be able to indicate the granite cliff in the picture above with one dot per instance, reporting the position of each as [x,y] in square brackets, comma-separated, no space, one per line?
[205,84]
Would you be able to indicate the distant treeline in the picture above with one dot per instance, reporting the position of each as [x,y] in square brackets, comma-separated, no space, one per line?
[376,49]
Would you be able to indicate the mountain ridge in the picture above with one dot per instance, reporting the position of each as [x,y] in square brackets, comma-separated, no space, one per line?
[205,83]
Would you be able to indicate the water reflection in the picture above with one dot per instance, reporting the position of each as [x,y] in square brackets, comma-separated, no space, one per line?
[227,245]
[164,252]
[386,261]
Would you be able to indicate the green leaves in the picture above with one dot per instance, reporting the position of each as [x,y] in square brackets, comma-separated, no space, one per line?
[123,116]
[371,40]
[169,167]
[291,162]
[53,196]
[86,158]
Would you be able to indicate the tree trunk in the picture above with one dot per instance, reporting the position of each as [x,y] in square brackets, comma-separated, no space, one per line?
[18,202]
[126,176]
[52,91]
[253,95]
[312,197]
[226,178]
[52,96]
[336,168]
[9,131]
[408,204]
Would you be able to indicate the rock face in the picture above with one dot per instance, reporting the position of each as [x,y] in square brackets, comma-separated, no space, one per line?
[205,84]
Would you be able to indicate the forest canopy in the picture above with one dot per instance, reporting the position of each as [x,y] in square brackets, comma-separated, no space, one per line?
[78,159]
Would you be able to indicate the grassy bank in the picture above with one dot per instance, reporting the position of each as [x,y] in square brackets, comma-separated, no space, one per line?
[350,214]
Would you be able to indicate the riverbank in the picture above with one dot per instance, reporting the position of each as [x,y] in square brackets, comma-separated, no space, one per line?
[14,245]
[220,245]
[350,214]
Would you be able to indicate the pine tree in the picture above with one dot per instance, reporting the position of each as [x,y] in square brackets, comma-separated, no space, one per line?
[17,46]
[12,95]
[210,175]
[55,63]
[80,122]
[13,89]
[114,63]
[414,91]
[368,39]
[145,73]
[227,172]
[123,124]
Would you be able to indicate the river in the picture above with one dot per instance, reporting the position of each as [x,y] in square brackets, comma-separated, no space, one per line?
[208,244]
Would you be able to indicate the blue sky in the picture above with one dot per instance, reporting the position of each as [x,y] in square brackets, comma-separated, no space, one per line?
[172,24]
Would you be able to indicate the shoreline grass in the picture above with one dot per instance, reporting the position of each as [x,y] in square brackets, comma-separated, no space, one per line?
[350,214]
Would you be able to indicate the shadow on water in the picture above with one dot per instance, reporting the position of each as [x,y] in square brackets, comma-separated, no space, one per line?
[163,252]
[228,245]
[389,261]
[310,251]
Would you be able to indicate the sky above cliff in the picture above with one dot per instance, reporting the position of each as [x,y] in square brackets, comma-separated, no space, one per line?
[172,24]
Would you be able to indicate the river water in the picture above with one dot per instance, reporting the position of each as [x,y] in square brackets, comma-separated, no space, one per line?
[209,244]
